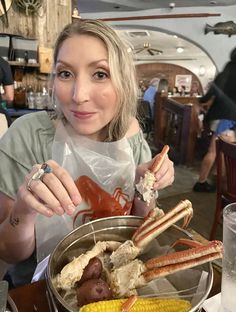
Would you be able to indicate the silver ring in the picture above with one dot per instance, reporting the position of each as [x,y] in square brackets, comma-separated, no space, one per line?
[38,175]
[46,168]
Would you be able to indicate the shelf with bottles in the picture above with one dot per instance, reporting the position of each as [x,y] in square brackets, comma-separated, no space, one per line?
[24,64]
[30,96]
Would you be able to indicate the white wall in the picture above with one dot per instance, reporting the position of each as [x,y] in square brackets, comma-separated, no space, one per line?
[217,47]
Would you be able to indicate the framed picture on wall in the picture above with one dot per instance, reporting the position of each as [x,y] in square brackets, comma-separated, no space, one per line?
[183,80]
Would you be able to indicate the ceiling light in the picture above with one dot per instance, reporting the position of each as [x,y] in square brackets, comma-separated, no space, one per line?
[171,5]
[180,49]
[202,70]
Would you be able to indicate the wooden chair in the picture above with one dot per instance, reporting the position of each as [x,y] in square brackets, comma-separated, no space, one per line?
[172,126]
[226,179]
[144,117]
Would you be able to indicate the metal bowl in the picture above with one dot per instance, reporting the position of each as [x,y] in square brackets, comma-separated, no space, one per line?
[186,283]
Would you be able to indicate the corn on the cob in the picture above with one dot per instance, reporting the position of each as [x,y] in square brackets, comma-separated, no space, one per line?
[148,305]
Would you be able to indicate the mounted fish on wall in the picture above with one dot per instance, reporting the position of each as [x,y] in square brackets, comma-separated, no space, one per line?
[4,7]
[225,28]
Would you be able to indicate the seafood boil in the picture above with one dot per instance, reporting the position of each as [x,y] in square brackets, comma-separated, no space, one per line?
[112,269]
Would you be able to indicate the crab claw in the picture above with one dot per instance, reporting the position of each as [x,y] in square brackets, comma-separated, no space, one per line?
[181,260]
[153,226]
[125,280]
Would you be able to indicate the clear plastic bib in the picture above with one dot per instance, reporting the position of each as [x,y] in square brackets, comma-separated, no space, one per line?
[104,173]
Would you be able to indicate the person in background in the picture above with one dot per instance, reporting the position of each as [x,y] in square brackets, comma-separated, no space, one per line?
[94,133]
[175,91]
[221,117]
[195,90]
[141,88]
[182,90]
[6,81]
[150,93]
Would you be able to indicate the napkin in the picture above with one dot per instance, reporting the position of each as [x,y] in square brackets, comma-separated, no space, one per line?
[213,304]
[40,270]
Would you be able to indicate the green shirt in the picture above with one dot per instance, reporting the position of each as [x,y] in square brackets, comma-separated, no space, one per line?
[29,141]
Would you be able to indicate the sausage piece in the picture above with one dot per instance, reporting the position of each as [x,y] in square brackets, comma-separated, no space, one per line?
[93,290]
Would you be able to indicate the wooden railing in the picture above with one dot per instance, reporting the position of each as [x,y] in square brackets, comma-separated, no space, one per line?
[176,124]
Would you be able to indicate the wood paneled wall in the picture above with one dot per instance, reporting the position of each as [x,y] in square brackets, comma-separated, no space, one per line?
[146,72]
[44,26]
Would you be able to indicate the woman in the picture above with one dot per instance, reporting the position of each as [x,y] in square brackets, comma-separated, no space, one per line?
[94,88]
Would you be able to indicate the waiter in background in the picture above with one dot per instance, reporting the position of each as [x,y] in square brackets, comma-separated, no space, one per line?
[7,94]
[6,81]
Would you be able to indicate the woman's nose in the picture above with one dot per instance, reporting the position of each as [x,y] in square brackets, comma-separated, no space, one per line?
[80,91]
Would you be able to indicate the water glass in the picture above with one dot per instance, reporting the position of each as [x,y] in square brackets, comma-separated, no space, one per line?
[228,285]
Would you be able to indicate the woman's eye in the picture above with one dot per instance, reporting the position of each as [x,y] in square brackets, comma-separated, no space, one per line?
[63,74]
[100,75]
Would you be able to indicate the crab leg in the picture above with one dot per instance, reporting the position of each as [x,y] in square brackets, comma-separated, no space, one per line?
[181,260]
[187,242]
[159,159]
[154,214]
[152,226]
[126,279]
[127,305]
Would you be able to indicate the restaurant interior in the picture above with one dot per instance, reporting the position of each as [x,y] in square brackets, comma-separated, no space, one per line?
[178,43]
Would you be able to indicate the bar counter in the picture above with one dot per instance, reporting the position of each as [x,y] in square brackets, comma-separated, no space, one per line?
[14,113]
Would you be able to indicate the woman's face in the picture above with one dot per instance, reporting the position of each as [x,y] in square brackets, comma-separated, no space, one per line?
[83,85]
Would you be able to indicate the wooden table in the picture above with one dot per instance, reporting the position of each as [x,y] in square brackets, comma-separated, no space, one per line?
[32,297]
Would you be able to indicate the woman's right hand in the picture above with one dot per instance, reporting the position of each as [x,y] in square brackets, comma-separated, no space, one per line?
[54,193]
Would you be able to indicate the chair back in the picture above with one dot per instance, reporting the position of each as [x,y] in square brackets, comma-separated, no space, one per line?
[144,109]
[144,116]
[226,179]
[172,126]
[226,166]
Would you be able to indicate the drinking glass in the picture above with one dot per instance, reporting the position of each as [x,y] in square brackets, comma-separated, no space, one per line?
[228,285]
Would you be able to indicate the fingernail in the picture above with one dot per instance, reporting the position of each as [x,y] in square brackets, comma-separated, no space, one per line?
[70,209]
[76,199]
[59,210]
[50,213]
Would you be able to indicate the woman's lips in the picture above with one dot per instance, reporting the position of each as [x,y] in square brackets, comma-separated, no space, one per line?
[82,115]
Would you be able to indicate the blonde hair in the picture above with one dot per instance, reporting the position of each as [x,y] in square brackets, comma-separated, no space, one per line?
[122,70]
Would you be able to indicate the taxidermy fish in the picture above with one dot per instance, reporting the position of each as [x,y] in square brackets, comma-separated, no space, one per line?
[225,28]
